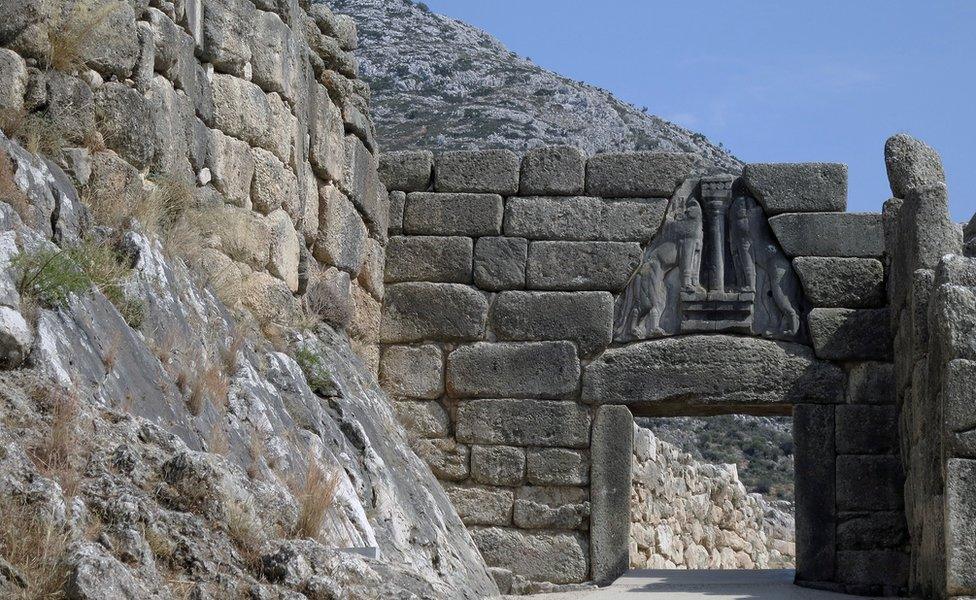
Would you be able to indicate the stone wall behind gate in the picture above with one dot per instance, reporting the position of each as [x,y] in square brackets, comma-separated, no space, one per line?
[501,277]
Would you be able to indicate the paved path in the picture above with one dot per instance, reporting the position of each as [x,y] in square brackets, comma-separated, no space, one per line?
[701,585]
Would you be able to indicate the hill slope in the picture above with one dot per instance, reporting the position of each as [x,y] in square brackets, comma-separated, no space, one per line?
[438,83]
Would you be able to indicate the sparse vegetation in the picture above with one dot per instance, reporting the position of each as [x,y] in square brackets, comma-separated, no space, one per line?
[209,385]
[317,373]
[33,544]
[246,531]
[11,193]
[315,497]
[74,30]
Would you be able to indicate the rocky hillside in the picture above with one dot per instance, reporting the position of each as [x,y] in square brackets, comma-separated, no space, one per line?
[441,84]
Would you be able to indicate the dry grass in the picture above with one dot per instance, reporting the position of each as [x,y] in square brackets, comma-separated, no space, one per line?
[74,30]
[11,193]
[55,450]
[315,497]
[209,385]
[37,132]
[256,450]
[246,531]
[217,440]
[33,545]
[111,354]
[230,353]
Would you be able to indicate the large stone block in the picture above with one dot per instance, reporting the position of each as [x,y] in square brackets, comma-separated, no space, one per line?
[551,508]
[117,51]
[231,167]
[398,201]
[850,334]
[276,63]
[407,171]
[241,109]
[829,234]
[866,429]
[911,164]
[632,219]
[553,171]
[539,218]
[557,466]
[798,187]
[13,70]
[958,399]
[429,258]
[478,171]
[341,240]
[412,371]
[226,30]
[361,182]
[960,527]
[417,312]
[556,558]
[540,423]
[696,372]
[327,146]
[639,174]
[498,465]
[869,483]
[284,253]
[886,571]
[871,530]
[871,383]
[814,479]
[513,370]
[473,215]
[423,418]
[477,505]
[836,282]
[448,460]
[612,450]
[585,318]
[499,263]
[274,184]
[581,265]
[122,114]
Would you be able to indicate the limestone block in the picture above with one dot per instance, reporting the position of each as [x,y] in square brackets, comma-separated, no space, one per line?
[477,171]
[499,263]
[327,145]
[227,28]
[850,334]
[869,482]
[180,140]
[16,338]
[360,180]
[341,241]
[814,477]
[886,568]
[699,371]
[13,72]
[122,114]
[556,558]
[371,275]
[412,371]
[306,212]
[346,32]
[244,236]
[798,187]
[541,423]
[557,466]
[585,318]
[429,258]
[284,252]
[581,265]
[632,219]
[911,164]
[448,460]
[958,394]
[478,505]
[273,185]
[117,49]
[397,202]
[70,105]
[952,317]
[871,383]
[329,295]
[498,465]
[241,109]
[513,370]
[503,579]
[417,312]
[639,174]
[553,171]
[871,530]
[473,215]
[866,429]
[275,55]
[407,171]
[841,282]
[537,218]
[829,234]
[423,418]
[612,451]
[268,298]
[365,325]
[960,527]
[551,508]
[283,130]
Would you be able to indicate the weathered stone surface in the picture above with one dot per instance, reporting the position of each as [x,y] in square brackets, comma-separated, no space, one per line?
[835,282]
[513,370]
[226,30]
[866,429]
[417,312]
[585,318]
[117,49]
[632,219]
[960,526]
[275,56]
[499,263]
[244,235]
[887,569]
[359,179]
[701,371]
[551,508]
[798,187]
[453,214]
[869,482]
[544,423]
[556,558]
[341,241]
[540,218]
[969,238]
[448,460]
[555,171]
[412,371]
[557,466]
[871,530]
[13,71]
[871,383]
[911,164]
[498,465]
[952,315]
[407,171]
[284,252]
[639,174]
[398,201]
[477,505]
[122,114]
[850,334]
[329,295]
[814,478]
[241,109]
[274,184]
[829,234]
[327,146]
[581,265]
[429,258]
[372,273]
[477,171]
[612,451]
[268,298]
[423,418]
[16,338]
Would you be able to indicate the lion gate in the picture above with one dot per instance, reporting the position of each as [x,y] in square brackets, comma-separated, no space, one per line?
[534,306]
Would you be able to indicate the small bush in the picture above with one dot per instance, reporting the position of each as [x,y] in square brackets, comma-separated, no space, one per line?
[246,531]
[316,372]
[315,498]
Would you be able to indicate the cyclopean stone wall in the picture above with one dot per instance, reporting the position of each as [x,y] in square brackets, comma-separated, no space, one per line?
[256,106]
[527,297]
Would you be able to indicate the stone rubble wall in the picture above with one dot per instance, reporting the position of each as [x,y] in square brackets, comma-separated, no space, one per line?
[692,515]
[258,106]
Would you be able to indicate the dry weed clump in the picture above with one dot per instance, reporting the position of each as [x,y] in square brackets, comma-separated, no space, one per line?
[209,385]
[74,30]
[230,353]
[32,544]
[315,497]
[246,530]
[37,132]
[217,441]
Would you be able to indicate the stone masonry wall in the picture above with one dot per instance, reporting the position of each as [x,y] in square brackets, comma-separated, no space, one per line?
[501,277]
[693,515]
[256,105]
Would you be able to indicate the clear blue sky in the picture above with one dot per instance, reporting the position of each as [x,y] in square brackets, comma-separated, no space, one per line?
[772,80]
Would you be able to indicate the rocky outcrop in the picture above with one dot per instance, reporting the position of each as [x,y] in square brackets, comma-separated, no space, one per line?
[692,515]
